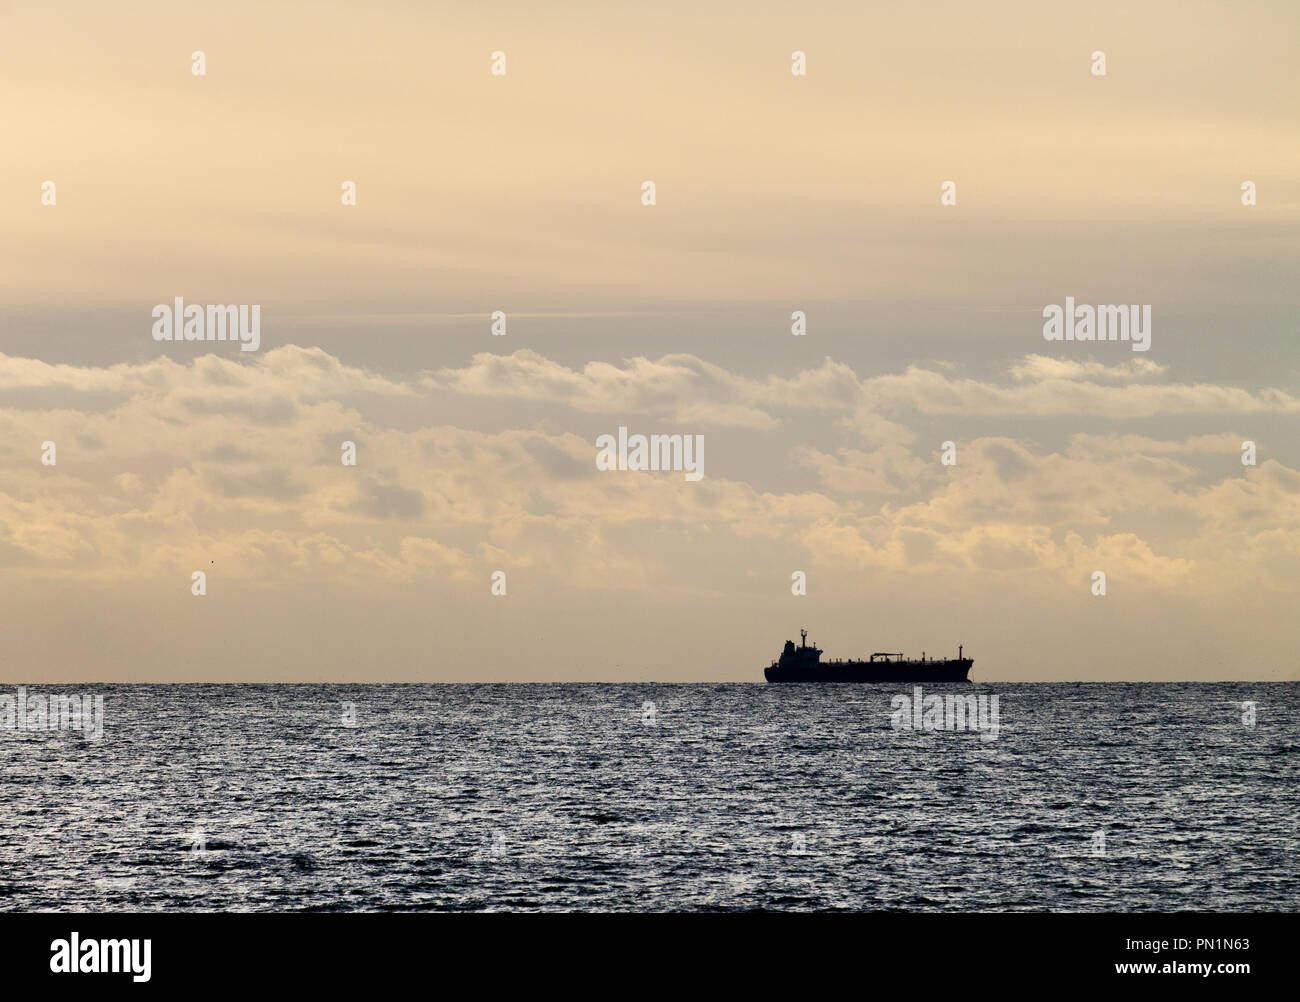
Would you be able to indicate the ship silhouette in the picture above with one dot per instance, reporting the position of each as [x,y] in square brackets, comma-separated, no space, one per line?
[804,664]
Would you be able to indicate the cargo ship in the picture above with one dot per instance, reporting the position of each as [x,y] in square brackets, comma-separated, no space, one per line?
[804,664]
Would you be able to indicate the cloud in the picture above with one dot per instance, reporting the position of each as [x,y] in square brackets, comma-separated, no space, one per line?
[688,390]
[679,387]
[1069,389]
[232,460]
[1036,368]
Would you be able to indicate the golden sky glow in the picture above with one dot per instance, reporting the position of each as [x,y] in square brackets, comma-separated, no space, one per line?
[522,193]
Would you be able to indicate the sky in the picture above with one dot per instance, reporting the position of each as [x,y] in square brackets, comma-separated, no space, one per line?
[523,193]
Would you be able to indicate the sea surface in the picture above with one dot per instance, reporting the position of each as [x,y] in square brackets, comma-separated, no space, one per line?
[1130,797]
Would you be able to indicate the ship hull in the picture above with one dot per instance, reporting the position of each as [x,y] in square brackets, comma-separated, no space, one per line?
[954,670]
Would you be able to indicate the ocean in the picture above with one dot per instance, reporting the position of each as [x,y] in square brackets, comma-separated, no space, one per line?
[649,797]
